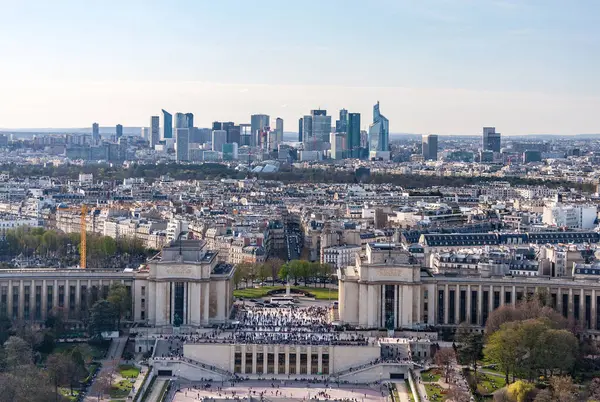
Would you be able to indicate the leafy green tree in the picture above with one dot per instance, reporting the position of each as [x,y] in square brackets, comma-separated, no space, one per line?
[502,348]
[470,346]
[103,317]
[120,299]
[521,391]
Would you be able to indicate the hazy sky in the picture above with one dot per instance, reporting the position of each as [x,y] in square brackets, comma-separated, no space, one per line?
[436,66]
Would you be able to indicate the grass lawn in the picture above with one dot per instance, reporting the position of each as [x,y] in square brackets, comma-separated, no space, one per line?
[256,293]
[66,393]
[432,375]
[128,371]
[487,384]
[121,389]
[434,392]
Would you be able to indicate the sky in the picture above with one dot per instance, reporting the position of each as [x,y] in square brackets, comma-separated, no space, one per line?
[436,66]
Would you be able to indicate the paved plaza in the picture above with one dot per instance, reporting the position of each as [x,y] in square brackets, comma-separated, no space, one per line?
[276,391]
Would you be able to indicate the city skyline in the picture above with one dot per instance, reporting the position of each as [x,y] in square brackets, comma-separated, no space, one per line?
[532,73]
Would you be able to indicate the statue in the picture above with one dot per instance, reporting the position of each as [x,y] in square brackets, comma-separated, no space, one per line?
[389,323]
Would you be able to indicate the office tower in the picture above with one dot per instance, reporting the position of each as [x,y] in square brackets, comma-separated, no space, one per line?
[258,122]
[300,124]
[353,130]
[119,131]
[144,133]
[182,144]
[315,130]
[378,134]
[217,125]
[339,143]
[341,125]
[491,139]
[154,131]
[430,147]
[278,132]
[189,120]
[230,151]
[167,125]
[245,134]
[219,137]
[233,134]
[180,120]
[95,133]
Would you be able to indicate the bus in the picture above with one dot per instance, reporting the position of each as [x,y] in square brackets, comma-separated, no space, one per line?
[282,300]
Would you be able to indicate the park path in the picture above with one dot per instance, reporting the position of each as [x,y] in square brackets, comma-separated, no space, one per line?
[402,391]
[156,389]
[115,350]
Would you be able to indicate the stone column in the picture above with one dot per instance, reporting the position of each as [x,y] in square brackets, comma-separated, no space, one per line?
[399,306]
[67,298]
[205,293]
[502,296]
[287,360]
[571,303]
[320,364]
[185,303]
[9,303]
[243,357]
[253,359]
[513,297]
[446,304]
[479,304]
[21,299]
[490,301]
[593,310]
[457,305]
[298,361]
[55,294]
[32,316]
[151,302]
[468,304]
[582,308]
[395,311]
[77,295]
[371,312]
[559,303]
[44,296]
[276,352]
[309,361]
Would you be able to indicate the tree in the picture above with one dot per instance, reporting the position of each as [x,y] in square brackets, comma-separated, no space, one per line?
[56,321]
[521,391]
[5,326]
[262,272]
[594,389]
[18,352]
[470,346]
[502,349]
[444,358]
[563,389]
[275,265]
[103,317]
[120,299]
[57,369]
[455,394]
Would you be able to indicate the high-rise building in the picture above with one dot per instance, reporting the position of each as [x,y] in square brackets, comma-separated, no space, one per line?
[233,134]
[341,125]
[167,124]
[245,134]
[258,122]
[430,147]
[278,132]
[154,131]
[300,124]
[230,151]
[119,131]
[219,138]
[180,120]
[379,133]
[339,147]
[182,144]
[315,131]
[189,120]
[217,125]
[353,130]
[96,133]
[491,139]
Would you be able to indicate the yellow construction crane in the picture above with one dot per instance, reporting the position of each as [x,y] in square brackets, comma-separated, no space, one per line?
[83,243]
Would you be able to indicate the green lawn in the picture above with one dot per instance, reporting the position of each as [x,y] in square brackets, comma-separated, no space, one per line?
[256,293]
[121,389]
[487,383]
[66,393]
[128,371]
[434,392]
[431,375]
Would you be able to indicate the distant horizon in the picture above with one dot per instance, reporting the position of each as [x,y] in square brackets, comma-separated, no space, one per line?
[439,66]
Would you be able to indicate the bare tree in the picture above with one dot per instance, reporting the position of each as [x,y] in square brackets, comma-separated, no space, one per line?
[444,358]
[456,394]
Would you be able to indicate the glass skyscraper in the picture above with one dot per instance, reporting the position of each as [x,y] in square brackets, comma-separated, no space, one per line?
[354,135]
[167,124]
[379,132]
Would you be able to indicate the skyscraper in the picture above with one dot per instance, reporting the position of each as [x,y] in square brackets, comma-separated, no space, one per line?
[258,122]
[182,145]
[154,131]
[316,130]
[491,139]
[300,124]
[219,138]
[180,120]
[341,125]
[278,132]
[119,131]
[217,125]
[167,124]
[233,134]
[95,133]
[430,147]
[353,140]
[189,120]
[379,133]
